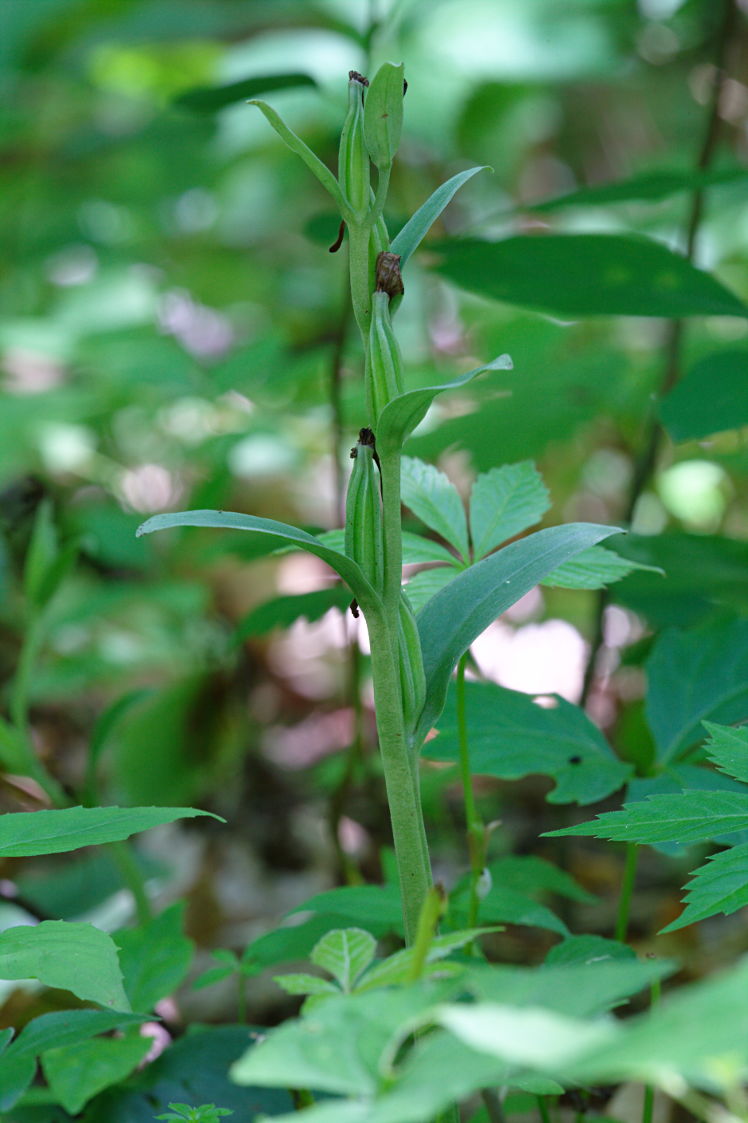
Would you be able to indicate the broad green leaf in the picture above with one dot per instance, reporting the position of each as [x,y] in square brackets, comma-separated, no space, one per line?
[154,957]
[577,275]
[692,816]
[434,499]
[297,145]
[533,1037]
[76,1073]
[209,99]
[400,416]
[594,569]
[417,549]
[345,953]
[712,397]
[696,675]
[303,983]
[374,907]
[503,503]
[282,612]
[728,749]
[416,228]
[720,886]
[426,584]
[281,534]
[74,957]
[383,114]
[648,188]
[588,950]
[26,833]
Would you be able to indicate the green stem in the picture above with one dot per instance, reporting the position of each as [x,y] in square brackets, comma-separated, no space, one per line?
[133,879]
[627,889]
[383,186]
[475,828]
[360,275]
[655,992]
[392,532]
[545,1115]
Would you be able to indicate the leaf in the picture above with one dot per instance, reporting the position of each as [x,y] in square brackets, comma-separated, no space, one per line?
[502,905]
[396,968]
[13,750]
[531,875]
[26,833]
[728,749]
[281,534]
[154,957]
[426,584]
[649,188]
[76,1073]
[692,816]
[594,569]
[415,229]
[576,275]
[345,953]
[711,398]
[74,957]
[383,114]
[209,99]
[503,503]
[474,598]
[434,499]
[282,612]
[282,945]
[694,676]
[375,907]
[417,549]
[720,886]
[297,145]
[588,950]
[301,983]
[400,416]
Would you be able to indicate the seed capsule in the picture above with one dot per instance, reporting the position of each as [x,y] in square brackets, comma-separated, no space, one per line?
[363,512]
[383,374]
[353,158]
[410,656]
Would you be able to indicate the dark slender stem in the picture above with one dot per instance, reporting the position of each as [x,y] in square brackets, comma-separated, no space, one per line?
[646,461]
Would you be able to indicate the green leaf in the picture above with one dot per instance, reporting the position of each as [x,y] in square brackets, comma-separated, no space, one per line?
[531,874]
[74,957]
[396,968]
[503,503]
[26,833]
[301,983]
[588,950]
[13,750]
[720,886]
[474,598]
[282,945]
[42,554]
[728,749]
[209,99]
[383,114]
[154,957]
[594,569]
[511,737]
[417,549]
[502,905]
[76,1073]
[648,188]
[282,612]
[692,816]
[575,275]
[415,229]
[426,584]
[297,145]
[345,953]
[694,676]
[400,416]
[280,534]
[374,907]
[711,398]
[434,499]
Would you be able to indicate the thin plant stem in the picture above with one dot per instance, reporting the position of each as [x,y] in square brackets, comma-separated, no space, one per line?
[475,828]
[655,992]
[627,889]
[545,1114]
[133,879]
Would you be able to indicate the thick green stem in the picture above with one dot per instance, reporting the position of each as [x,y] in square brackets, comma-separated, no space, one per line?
[627,890]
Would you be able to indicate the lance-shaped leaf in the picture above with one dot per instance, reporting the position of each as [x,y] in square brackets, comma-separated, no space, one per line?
[648,188]
[400,416]
[383,114]
[297,145]
[467,605]
[416,228]
[209,99]
[692,816]
[720,886]
[281,535]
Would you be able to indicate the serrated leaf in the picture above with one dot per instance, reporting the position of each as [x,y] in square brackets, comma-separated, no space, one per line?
[345,953]
[282,612]
[434,499]
[426,584]
[712,397]
[467,605]
[594,569]
[209,99]
[692,816]
[416,228]
[74,957]
[694,676]
[720,886]
[728,749]
[417,549]
[76,1073]
[503,503]
[574,275]
[24,834]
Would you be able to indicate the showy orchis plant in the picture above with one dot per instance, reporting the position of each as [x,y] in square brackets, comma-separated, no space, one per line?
[412,657]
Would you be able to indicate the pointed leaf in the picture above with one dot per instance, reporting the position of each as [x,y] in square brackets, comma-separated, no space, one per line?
[76,1073]
[650,187]
[74,957]
[209,99]
[574,275]
[474,598]
[400,416]
[282,612]
[712,398]
[503,503]
[281,534]
[26,833]
[345,953]
[297,145]
[154,957]
[416,228]
[720,886]
[376,906]
[692,816]
[728,749]
[418,549]
[594,569]
[435,500]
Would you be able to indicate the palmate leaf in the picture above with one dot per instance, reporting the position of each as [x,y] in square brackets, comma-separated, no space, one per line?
[692,816]
[728,749]
[576,275]
[416,228]
[720,886]
[503,503]
[435,500]
[465,607]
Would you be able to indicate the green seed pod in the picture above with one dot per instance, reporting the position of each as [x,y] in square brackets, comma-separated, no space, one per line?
[353,158]
[383,114]
[383,374]
[363,512]
[412,677]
